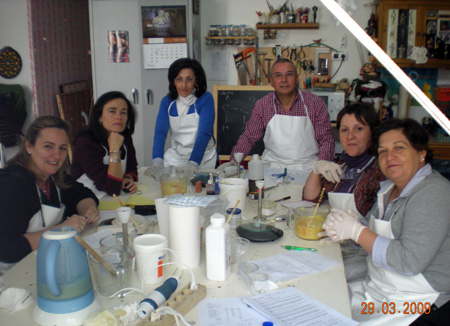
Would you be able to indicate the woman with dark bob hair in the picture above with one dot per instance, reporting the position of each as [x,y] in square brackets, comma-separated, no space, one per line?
[408,235]
[37,193]
[188,113]
[352,182]
[104,158]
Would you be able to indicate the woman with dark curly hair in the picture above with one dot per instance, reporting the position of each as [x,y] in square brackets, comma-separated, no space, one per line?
[188,112]
[104,158]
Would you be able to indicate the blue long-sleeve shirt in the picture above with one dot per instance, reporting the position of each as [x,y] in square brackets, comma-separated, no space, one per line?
[205,109]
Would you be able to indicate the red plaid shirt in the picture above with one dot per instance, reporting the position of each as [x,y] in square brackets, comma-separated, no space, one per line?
[263,112]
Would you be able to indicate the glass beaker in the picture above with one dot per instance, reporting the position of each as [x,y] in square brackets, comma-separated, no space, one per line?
[173,183]
[121,260]
[308,224]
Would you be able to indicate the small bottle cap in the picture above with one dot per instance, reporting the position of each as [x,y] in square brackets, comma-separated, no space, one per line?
[217,218]
[237,211]
[267,323]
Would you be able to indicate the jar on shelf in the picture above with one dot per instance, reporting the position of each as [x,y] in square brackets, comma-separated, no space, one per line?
[212,31]
[244,33]
[250,32]
[237,33]
[222,32]
[229,34]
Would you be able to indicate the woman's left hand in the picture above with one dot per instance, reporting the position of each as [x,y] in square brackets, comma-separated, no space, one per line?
[128,185]
[88,209]
[341,225]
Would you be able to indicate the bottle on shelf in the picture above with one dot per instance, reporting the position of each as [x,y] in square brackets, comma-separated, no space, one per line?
[255,173]
[218,249]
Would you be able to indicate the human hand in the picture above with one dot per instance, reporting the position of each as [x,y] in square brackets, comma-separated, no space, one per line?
[115,141]
[88,209]
[229,167]
[190,169]
[341,225]
[330,170]
[128,185]
[76,222]
[154,170]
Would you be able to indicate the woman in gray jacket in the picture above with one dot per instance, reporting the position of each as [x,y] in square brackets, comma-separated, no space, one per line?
[408,236]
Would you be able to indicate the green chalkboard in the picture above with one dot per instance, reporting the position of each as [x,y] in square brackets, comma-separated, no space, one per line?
[234,105]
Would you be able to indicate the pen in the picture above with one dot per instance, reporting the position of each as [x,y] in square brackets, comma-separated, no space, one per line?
[299,248]
[281,199]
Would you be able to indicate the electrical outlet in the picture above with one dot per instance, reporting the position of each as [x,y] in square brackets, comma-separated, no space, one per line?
[337,56]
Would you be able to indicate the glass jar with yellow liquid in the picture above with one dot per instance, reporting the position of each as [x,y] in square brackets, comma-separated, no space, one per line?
[308,224]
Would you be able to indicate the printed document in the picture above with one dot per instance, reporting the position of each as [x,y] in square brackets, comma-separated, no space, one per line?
[292,307]
[292,264]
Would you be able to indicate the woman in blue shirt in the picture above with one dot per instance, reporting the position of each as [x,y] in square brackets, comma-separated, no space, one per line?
[188,112]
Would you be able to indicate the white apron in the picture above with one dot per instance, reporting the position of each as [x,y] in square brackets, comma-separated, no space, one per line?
[387,286]
[48,215]
[89,183]
[183,134]
[290,142]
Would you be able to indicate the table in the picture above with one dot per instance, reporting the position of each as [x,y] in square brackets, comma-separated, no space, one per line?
[23,274]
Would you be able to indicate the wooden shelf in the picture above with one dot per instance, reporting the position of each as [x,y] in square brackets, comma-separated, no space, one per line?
[230,37]
[288,26]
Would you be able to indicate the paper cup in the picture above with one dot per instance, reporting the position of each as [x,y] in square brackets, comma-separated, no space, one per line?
[124,214]
[150,251]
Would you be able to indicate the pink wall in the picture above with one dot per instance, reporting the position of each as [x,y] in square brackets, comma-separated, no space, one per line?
[60,49]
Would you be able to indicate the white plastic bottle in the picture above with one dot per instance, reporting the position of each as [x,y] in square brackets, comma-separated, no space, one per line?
[255,172]
[218,251]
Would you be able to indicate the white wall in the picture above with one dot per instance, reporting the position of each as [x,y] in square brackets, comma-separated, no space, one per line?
[238,12]
[14,33]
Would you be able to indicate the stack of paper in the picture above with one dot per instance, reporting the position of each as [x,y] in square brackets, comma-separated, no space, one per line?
[286,307]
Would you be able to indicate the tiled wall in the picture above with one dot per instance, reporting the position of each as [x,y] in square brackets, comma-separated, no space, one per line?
[60,49]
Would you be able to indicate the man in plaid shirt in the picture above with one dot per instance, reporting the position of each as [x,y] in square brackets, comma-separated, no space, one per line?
[295,124]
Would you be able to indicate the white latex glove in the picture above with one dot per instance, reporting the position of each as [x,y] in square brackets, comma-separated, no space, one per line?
[341,225]
[156,169]
[190,169]
[227,168]
[330,170]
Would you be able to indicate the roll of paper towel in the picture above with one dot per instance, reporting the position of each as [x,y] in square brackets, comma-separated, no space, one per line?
[184,233]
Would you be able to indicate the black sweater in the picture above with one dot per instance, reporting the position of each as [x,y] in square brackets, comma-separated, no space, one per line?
[19,201]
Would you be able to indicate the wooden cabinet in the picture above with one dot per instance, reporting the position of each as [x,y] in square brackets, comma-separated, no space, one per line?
[403,24]
[440,150]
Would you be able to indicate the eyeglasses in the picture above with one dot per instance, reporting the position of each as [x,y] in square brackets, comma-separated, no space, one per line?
[279,75]
[188,80]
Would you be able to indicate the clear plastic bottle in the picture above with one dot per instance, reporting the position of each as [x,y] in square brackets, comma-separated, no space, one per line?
[255,172]
[218,249]
[210,186]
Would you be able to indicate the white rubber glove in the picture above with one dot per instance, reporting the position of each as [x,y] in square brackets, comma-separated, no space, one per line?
[330,170]
[227,168]
[190,169]
[341,225]
[156,169]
